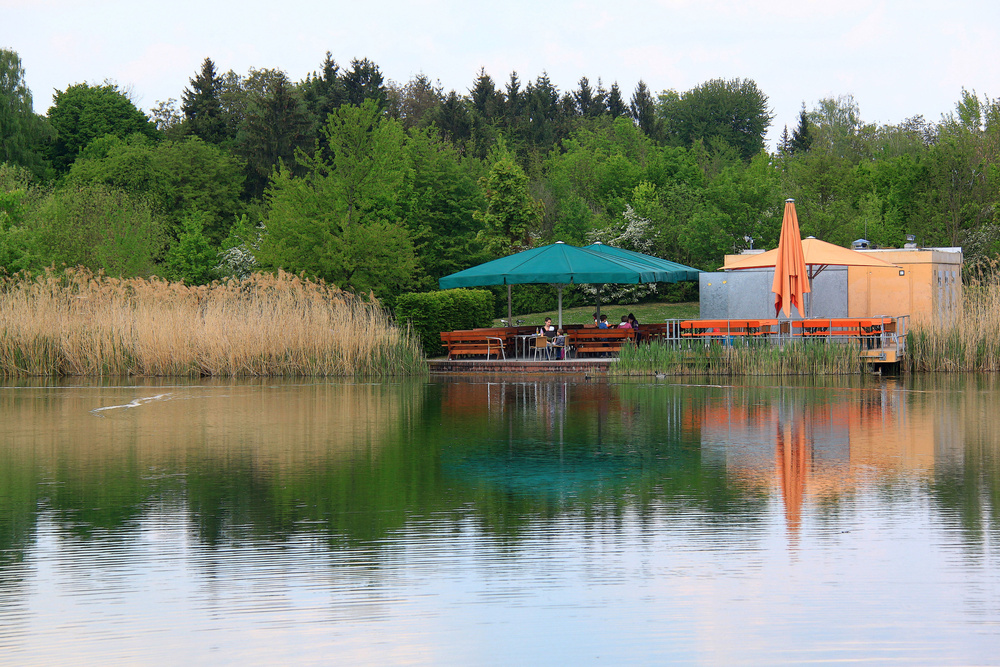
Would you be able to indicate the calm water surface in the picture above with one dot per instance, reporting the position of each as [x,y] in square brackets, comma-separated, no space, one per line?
[501,521]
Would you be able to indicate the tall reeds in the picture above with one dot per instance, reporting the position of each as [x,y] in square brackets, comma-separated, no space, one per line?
[754,357]
[971,342]
[77,323]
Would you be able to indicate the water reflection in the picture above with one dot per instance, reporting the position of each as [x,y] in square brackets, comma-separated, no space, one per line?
[275,507]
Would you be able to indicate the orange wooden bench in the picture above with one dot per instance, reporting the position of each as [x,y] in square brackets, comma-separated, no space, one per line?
[475,342]
[598,341]
[722,328]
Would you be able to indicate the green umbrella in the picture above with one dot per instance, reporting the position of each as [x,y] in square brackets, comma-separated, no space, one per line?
[678,272]
[558,263]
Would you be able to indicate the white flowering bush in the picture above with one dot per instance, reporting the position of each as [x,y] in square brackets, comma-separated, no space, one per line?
[238,256]
[634,233]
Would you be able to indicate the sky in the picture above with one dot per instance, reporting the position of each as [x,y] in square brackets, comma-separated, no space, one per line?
[897,58]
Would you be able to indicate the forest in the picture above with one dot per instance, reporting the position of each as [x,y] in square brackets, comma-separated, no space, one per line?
[381,187]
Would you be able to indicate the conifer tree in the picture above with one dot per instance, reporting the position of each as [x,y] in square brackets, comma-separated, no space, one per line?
[323,92]
[364,82]
[802,138]
[202,105]
[616,105]
[274,127]
[643,111]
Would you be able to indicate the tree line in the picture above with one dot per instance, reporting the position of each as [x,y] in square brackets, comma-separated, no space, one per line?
[378,186]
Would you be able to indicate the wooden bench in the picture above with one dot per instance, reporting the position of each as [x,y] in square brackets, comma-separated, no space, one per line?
[853,327]
[868,331]
[474,342]
[658,330]
[724,328]
[598,341]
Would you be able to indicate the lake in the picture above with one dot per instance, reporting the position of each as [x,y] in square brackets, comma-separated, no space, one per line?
[500,521]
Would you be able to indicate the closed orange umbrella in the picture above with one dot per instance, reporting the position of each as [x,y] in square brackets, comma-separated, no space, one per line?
[791,278]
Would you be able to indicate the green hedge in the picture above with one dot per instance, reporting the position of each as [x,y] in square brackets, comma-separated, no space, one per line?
[430,313]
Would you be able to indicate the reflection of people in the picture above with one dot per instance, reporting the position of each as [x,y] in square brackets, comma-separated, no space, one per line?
[603,324]
[625,323]
[548,329]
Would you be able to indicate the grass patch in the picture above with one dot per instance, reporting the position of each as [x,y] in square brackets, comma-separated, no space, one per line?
[647,313]
[741,357]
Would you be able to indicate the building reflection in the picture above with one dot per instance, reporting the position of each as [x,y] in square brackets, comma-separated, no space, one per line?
[802,445]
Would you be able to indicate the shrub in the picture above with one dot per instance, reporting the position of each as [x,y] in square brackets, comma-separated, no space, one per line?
[430,313]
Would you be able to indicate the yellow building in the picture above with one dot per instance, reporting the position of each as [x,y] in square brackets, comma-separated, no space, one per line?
[927,285]
[924,284]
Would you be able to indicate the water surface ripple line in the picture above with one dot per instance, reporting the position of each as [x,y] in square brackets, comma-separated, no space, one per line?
[135,403]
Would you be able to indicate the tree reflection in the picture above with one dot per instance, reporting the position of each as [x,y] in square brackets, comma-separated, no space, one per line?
[357,462]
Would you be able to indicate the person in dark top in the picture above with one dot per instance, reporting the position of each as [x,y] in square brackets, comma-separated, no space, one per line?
[603,324]
[548,329]
[635,326]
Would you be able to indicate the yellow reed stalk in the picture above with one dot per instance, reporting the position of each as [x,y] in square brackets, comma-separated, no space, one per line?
[78,323]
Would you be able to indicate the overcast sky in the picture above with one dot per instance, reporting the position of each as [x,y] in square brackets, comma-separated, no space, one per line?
[897,58]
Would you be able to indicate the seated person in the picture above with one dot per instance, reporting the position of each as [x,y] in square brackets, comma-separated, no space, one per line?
[625,323]
[559,342]
[603,324]
[548,329]
[635,325]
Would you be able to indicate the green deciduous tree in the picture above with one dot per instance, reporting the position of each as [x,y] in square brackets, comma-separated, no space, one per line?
[440,205]
[176,178]
[82,113]
[22,132]
[511,213]
[719,113]
[340,221]
[97,227]
[18,244]
[191,258]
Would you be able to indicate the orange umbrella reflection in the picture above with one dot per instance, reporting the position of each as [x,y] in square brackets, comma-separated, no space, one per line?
[791,278]
[793,459]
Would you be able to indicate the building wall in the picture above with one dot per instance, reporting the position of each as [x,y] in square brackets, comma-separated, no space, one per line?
[747,294]
[930,289]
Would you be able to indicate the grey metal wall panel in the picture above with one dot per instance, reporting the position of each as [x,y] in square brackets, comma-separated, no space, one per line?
[747,294]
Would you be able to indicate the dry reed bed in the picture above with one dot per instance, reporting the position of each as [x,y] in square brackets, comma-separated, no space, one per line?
[78,323]
[971,342]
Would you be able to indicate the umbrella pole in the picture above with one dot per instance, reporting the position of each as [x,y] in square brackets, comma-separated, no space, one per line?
[599,286]
[510,315]
[560,306]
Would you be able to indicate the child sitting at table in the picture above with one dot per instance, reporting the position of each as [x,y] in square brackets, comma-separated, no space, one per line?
[559,342]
